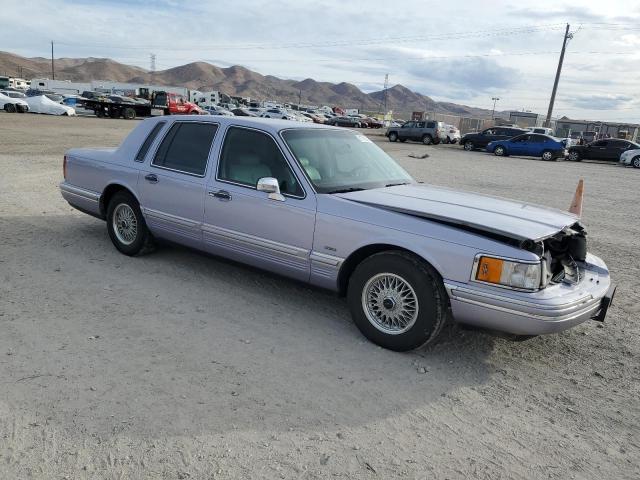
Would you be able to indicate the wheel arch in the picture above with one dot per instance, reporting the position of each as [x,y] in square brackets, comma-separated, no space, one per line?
[108,193]
[359,255]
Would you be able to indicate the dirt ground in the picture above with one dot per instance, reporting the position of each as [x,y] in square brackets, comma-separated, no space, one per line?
[178,365]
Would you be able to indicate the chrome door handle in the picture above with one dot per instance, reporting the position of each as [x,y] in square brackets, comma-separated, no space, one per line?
[151,178]
[220,195]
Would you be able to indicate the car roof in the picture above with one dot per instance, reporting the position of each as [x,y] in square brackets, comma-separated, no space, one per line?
[270,125]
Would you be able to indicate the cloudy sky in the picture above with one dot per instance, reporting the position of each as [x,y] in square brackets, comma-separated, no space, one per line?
[465,51]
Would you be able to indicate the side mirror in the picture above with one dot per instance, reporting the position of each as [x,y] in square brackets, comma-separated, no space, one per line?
[270,185]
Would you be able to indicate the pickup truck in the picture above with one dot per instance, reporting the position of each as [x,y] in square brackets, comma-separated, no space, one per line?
[160,103]
[326,206]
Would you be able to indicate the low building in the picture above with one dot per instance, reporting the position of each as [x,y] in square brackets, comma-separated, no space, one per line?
[105,86]
[566,126]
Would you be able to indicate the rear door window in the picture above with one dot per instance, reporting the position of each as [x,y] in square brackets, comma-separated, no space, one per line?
[186,148]
[431,124]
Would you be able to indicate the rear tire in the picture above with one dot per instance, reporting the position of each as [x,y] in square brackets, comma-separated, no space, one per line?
[427,139]
[129,113]
[635,162]
[574,156]
[393,137]
[397,300]
[126,226]
[469,146]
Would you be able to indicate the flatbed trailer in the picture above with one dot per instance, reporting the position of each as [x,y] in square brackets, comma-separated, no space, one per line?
[160,103]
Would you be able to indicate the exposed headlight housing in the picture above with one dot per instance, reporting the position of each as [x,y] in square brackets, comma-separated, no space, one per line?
[507,273]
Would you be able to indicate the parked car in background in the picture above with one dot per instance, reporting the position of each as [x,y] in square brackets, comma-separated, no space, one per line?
[529,145]
[43,104]
[541,130]
[472,141]
[243,112]
[329,207]
[372,122]
[426,131]
[279,113]
[609,149]
[11,105]
[13,93]
[350,122]
[631,157]
[218,110]
[452,134]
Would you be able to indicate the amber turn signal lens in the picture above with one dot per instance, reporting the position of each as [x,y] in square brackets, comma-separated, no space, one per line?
[489,270]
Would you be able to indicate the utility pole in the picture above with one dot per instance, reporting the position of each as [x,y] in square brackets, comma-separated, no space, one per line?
[493,112]
[53,70]
[152,57]
[299,97]
[567,37]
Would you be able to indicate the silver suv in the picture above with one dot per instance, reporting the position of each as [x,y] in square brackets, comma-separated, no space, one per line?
[425,131]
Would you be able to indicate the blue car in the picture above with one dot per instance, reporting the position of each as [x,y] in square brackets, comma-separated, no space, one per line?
[530,145]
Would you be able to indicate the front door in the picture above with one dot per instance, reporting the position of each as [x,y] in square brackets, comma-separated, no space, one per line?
[172,184]
[247,225]
[518,145]
[406,131]
[598,150]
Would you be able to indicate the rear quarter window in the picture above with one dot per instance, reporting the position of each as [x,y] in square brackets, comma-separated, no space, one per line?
[148,141]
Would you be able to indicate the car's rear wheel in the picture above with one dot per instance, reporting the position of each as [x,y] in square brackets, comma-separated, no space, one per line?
[574,156]
[468,145]
[500,151]
[427,139]
[129,113]
[393,137]
[397,300]
[636,162]
[126,226]
[547,155]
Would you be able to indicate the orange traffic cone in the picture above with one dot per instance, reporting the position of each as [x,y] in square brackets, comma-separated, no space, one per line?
[576,204]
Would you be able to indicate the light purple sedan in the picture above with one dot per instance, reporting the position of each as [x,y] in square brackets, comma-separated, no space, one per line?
[326,206]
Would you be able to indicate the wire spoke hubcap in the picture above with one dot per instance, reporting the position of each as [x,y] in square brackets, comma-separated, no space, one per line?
[390,303]
[125,224]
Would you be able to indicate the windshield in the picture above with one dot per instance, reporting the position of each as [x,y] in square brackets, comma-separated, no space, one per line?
[338,161]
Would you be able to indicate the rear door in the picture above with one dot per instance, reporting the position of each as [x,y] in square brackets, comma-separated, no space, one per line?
[615,149]
[537,144]
[172,181]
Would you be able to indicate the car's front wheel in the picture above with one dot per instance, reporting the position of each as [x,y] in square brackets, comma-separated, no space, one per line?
[397,300]
[393,136]
[636,162]
[127,229]
[548,155]
[574,156]
[499,151]
[468,145]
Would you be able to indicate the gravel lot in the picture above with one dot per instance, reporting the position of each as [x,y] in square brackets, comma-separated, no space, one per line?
[178,365]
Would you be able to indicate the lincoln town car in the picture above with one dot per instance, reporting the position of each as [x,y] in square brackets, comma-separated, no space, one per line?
[326,206]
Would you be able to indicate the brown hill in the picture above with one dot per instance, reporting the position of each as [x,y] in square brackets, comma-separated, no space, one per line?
[235,80]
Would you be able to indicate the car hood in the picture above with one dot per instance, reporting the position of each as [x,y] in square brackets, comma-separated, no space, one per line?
[483,213]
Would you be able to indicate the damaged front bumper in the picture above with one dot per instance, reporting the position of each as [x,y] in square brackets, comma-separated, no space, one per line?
[552,309]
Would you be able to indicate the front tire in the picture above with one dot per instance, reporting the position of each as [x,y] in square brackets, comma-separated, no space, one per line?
[126,226]
[469,146]
[393,137]
[635,162]
[499,151]
[397,300]
[548,156]
[9,108]
[574,156]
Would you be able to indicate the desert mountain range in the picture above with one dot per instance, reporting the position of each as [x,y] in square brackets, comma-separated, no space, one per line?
[235,80]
